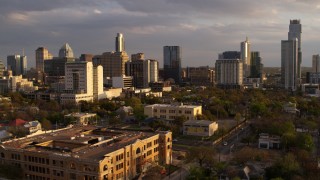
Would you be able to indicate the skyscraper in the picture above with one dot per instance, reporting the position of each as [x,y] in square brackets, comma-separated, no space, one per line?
[66,51]
[18,64]
[295,31]
[172,63]
[56,65]
[256,65]
[245,56]
[120,43]
[113,63]
[142,71]
[229,73]
[42,54]
[2,68]
[289,64]
[291,57]
[83,82]
[316,63]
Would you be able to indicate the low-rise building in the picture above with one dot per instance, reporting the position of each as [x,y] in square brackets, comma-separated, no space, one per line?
[170,112]
[290,108]
[199,127]
[87,153]
[267,141]
[82,118]
[32,126]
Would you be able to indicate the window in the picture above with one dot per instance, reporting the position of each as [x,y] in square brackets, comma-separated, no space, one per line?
[73,176]
[72,166]
[105,167]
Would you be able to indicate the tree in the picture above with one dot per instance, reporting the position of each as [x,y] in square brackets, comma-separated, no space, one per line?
[285,168]
[46,124]
[203,155]
[179,120]
[237,117]
[305,141]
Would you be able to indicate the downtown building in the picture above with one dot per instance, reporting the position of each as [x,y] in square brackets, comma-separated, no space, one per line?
[291,57]
[87,153]
[56,65]
[256,65]
[83,82]
[172,63]
[17,64]
[229,73]
[201,76]
[113,62]
[42,54]
[142,71]
[246,57]
[313,77]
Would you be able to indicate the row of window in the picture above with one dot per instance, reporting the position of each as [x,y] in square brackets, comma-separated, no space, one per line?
[37,159]
[35,177]
[119,157]
[172,111]
[119,166]
[39,169]
[120,175]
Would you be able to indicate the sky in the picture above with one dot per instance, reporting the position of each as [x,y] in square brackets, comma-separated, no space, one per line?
[202,28]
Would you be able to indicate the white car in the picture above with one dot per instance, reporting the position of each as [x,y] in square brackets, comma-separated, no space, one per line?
[225,143]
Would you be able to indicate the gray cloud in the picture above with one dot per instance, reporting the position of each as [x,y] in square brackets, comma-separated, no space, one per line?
[202,28]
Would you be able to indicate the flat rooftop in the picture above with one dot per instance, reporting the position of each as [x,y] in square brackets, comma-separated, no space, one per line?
[198,122]
[172,105]
[86,142]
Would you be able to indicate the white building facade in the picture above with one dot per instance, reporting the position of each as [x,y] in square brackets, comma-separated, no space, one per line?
[83,82]
[229,72]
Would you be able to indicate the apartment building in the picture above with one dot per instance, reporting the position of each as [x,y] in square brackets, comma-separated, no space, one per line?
[87,153]
[170,112]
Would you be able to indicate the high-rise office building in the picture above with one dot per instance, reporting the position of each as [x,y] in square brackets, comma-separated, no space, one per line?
[66,51]
[201,76]
[172,63]
[229,73]
[291,57]
[230,55]
[256,65]
[289,64]
[42,54]
[119,43]
[113,63]
[83,82]
[245,56]
[86,57]
[56,65]
[295,30]
[316,63]
[138,56]
[151,71]
[142,71]
[2,68]
[17,64]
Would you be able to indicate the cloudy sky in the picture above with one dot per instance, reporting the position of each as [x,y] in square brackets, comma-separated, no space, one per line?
[203,28]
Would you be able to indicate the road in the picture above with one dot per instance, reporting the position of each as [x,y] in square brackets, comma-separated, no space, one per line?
[232,141]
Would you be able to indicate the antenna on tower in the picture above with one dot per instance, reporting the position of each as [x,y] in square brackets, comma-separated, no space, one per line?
[22,51]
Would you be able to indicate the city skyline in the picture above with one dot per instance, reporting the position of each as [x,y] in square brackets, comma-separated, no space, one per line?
[202,29]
